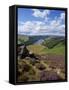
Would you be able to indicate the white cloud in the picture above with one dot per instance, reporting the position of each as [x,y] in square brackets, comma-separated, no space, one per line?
[58,20]
[31,27]
[55,23]
[41,14]
[47,27]
[41,28]
[26,27]
[62,16]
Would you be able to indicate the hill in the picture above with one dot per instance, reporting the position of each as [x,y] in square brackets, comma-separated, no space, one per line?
[28,40]
[53,41]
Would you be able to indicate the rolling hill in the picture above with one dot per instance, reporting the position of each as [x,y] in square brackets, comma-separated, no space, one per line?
[45,40]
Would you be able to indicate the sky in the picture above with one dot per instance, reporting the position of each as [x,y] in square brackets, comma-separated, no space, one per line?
[41,22]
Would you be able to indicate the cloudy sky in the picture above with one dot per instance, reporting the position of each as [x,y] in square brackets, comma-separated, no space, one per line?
[41,22]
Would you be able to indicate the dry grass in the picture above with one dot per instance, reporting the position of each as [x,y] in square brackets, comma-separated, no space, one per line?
[29,72]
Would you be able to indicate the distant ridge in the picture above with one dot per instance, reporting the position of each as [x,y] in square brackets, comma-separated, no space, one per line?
[38,39]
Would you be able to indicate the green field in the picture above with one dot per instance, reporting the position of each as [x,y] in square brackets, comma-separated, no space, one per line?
[51,45]
[40,49]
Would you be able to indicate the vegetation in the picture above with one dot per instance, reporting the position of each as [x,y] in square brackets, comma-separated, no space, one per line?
[40,49]
[22,39]
[51,42]
[50,64]
[41,70]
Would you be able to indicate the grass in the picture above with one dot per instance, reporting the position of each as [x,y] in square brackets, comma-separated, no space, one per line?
[58,50]
[37,49]
[40,49]
[44,67]
[28,72]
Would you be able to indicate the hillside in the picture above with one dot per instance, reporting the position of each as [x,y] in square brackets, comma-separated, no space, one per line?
[48,67]
[53,41]
[40,49]
[50,64]
[45,40]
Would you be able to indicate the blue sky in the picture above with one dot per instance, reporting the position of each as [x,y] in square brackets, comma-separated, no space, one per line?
[41,22]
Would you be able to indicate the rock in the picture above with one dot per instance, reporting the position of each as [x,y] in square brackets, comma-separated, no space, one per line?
[23,52]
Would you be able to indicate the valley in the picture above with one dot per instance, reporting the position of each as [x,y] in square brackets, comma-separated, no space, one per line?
[50,64]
